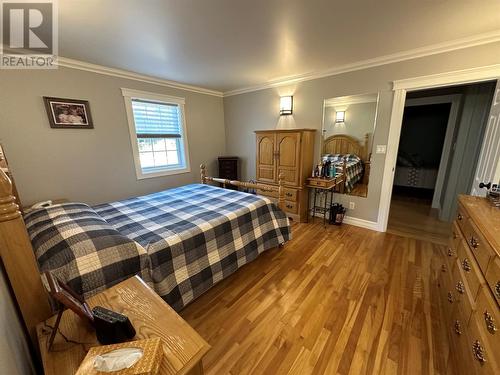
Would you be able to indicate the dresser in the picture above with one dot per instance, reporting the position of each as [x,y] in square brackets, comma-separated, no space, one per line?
[228,169]
[289,152]
[469,282]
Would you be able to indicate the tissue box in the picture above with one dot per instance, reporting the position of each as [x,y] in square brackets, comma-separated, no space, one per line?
[148,364]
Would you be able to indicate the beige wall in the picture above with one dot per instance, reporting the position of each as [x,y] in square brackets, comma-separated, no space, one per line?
[259,110]
[96,165]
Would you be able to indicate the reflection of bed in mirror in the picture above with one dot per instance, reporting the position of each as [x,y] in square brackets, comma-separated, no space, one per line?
[353,157]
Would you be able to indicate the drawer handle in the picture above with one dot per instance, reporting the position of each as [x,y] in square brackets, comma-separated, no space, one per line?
[460,287]
[497,289]
[443,269]
[473,242]
[289,194]
[459,217]
[478,351]
[289,206]
[450,252]
[458,328]
[466,265]
[450,297]
[490,323]
[455,236]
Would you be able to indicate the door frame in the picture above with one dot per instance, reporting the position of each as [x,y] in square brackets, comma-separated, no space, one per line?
[400,88]
[454,100]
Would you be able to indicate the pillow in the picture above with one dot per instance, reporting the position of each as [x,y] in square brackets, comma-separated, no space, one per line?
[332,157]
[340,157]
[82,249]
[352,157]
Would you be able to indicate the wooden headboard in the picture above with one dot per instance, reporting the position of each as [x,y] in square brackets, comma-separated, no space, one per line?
[345,144]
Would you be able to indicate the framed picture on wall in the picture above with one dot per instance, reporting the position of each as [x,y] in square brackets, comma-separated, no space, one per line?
[68,113]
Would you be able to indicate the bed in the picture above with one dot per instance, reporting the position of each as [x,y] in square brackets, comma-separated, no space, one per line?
[189,239]
[181,241]
[350,156]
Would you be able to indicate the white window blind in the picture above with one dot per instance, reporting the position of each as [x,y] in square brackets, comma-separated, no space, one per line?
[156,120]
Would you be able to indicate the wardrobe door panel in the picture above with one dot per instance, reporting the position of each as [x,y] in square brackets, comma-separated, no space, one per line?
[266,158]
[288,162]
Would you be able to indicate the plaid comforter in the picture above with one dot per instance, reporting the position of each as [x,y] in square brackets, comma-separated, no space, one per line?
[354,168]
[354,173]
[82,250]
[197,235]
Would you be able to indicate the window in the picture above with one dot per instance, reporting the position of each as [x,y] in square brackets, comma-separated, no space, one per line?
[157,132]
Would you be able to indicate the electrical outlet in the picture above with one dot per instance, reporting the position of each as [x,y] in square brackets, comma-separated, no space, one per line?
[352,205]
[381,149]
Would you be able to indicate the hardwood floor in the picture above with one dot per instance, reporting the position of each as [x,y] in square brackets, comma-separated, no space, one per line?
[341,300]
[415,218]
[360,190]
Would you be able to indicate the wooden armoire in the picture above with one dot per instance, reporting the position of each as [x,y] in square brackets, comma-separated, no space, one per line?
[289,152]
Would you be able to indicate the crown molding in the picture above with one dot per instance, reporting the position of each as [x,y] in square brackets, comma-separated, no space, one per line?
[120,73]
[444,79]
[434,49]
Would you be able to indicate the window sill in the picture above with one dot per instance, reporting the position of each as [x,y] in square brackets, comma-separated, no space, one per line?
[170,172]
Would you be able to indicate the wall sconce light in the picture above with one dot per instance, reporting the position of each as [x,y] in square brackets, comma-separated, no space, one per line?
[286,105]
[339,116]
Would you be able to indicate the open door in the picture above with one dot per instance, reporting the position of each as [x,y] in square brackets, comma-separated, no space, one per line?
[487,167]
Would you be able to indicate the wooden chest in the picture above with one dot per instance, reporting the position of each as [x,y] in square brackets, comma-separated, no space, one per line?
[470,288]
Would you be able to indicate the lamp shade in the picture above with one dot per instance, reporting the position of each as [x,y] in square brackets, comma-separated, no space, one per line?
[286,105]
[340,116]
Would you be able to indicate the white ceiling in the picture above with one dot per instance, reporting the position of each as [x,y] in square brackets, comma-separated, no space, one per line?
[232,44]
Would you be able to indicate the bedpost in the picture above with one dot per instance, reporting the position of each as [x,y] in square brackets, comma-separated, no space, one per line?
[19,261]
[344,174]
[203,173]
[281,191]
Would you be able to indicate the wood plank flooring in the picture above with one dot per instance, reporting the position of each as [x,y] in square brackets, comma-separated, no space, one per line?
[341,300]
[415,218]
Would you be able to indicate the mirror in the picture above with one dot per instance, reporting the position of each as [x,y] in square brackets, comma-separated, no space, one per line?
[347,139]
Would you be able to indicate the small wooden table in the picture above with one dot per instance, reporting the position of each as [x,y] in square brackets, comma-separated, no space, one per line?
[322,185]
[183,347]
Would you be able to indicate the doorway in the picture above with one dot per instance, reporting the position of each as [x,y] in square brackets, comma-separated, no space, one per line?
[441,134]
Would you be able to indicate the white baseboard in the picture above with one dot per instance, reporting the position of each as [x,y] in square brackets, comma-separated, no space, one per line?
[372,225]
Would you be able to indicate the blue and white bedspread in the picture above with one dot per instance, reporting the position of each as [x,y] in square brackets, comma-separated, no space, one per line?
[197,235]
[354,168]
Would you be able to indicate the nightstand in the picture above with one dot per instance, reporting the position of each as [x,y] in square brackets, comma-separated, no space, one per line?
[322,186]
[183,347]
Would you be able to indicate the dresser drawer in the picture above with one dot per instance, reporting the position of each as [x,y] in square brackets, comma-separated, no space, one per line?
[488,317]
[321,183]
[485,356]
[462,217]
[493,278]
[460,339]
[469,268]
[461,291]
[291,207]
[267,193]
[478,245]
[290,194]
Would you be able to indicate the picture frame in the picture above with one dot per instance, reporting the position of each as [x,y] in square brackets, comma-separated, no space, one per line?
[68,298]
[68,113]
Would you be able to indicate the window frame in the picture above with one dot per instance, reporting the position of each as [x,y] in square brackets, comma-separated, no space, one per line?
[128,96]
